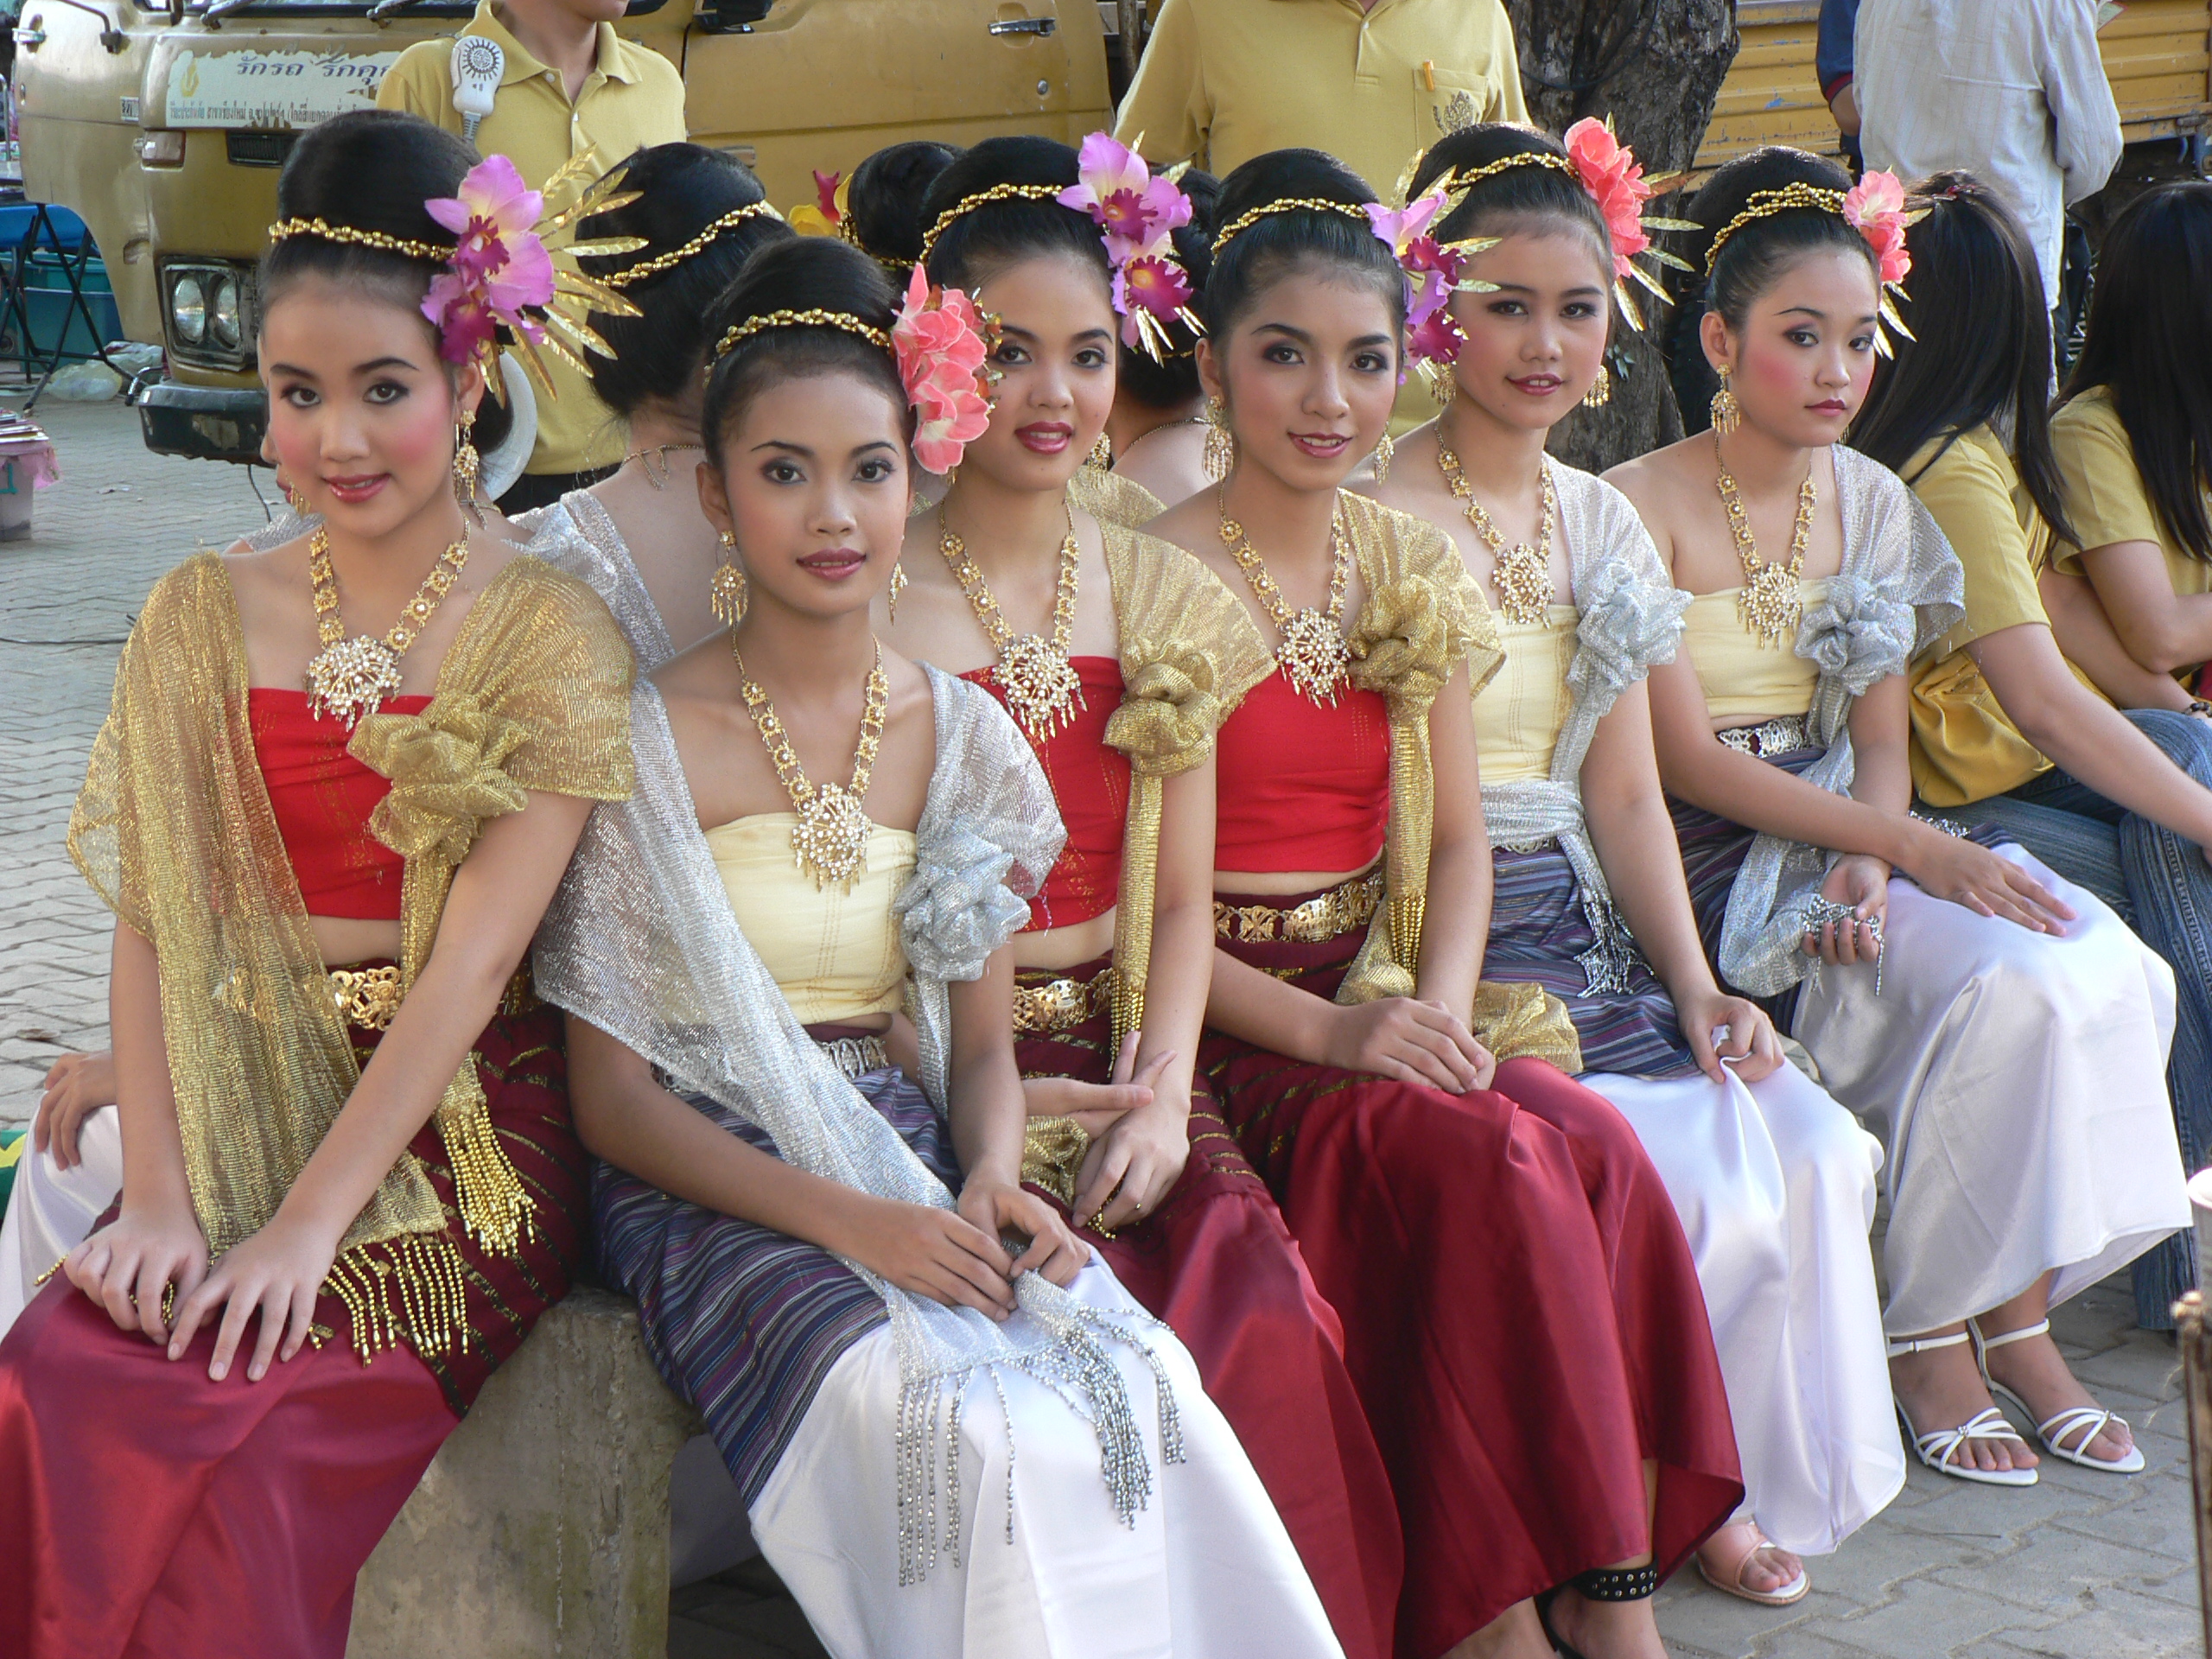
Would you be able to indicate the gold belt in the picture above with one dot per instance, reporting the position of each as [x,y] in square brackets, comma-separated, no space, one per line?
[1338,910]
[856,1056]
[370,997]
[1062,1004]
[1777,736]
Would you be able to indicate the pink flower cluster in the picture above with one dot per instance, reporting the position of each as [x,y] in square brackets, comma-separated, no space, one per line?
[1614,178]
[938,337]
[498,267]
[1432,271]
[1136,213]
[1875,209]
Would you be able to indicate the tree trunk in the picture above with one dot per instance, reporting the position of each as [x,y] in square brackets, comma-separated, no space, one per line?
[1654,66]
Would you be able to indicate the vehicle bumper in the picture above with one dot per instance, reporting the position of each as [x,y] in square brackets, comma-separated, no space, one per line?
[205,423]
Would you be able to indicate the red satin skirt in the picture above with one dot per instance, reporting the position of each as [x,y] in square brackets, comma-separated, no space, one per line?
[1521,1313]
[148,1513]
[1216,1263]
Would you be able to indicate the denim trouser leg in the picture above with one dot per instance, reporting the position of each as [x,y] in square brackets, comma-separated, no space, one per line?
[2162,886]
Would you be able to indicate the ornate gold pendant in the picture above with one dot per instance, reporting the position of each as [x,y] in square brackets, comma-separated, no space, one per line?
[1040,684]
[1771,606]
[352,678]
[829,841]
[1522,576]
[1313,656]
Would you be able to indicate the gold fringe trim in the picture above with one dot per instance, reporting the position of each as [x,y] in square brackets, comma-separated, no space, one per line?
[1052,1151]
[1407,912]
[1133,911]
[488,1195]
[413,1290]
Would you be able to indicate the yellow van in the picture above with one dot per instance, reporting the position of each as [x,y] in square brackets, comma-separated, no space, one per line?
[164,125]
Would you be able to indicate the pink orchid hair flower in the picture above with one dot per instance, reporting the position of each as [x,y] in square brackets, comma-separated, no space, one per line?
[498,266]
[1399,227]
[825,195]
[1875,209]
[940,341]
[1133,208]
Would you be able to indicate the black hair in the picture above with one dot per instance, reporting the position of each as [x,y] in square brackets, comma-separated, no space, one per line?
[1278,245]
[1752,259]
[2149,343]
[1513,193]
[1979,351]
[683,189]
[801,273]
[884,197]
[1171,384]
[987,239]
[373,170]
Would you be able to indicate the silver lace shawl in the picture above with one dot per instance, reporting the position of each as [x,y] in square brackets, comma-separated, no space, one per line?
[575,534]
[1631,619]
[1900,590]
[641,942]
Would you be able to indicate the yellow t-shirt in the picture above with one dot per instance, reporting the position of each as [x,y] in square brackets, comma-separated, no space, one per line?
[2103,491]
[1964,748]
[632,98]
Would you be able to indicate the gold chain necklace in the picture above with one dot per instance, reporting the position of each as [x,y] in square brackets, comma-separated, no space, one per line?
[1041,685]
[1521,573]
[657,452]
[348,678]
[1313,656]
[829,841]
[1770,604]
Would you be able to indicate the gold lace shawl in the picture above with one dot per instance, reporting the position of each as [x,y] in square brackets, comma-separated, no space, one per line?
[1188,654]
[174,830]
[1113,500]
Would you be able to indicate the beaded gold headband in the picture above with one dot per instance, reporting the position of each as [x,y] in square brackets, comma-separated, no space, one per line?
[1458,181]
[323,231]
[662,262]
[1765,204]
[813,317]
[1245,221]
[983,199]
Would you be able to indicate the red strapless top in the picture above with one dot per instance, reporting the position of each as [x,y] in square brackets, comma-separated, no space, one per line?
[1092,784]
[322,797]
[1298,786]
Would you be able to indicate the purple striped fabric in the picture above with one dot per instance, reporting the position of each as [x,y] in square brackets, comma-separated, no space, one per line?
[745,1323]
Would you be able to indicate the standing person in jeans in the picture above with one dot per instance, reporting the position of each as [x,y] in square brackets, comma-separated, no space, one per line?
[2015,94]
[1831,63]
[567,83]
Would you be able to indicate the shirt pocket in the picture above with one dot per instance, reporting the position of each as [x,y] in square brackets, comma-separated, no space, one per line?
[1445,100]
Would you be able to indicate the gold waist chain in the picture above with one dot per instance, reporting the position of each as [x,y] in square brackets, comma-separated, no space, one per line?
[1062,1004]
[1781,735]
[1349,904]
[370,997]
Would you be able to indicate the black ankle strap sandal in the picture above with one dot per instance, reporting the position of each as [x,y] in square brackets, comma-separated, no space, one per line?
[1618,1583]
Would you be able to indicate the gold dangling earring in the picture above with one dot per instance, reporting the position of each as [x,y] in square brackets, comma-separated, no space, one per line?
[299,502]
[467,464]
[1383,452]
[1727,413]
[1601,389]
[1220,453]
[1444,387]
[726,593]
[898,586]
[1102,455]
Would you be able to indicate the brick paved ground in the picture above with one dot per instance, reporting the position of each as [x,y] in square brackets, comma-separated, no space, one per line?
[2083,1566]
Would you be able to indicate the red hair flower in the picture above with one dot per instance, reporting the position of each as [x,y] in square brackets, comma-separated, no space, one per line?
[1875,209]
[939,338]
[1614,178]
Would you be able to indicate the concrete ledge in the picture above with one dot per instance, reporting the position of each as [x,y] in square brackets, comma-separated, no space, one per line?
[540,1531]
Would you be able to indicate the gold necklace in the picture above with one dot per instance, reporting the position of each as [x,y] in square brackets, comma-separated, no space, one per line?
[829,841]
[659,451]
[1521,573]
[1313,656]
[1041,685]
[1768,604]
[348,678]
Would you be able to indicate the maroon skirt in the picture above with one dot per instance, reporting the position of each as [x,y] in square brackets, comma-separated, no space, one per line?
[147,1512]
[1216,1263]
[1521,1313]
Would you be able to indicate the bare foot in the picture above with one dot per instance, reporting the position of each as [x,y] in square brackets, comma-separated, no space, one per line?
[1739,1554]
[1942,1389]
[1513,1634]
[1606,1630]
[2033,1368]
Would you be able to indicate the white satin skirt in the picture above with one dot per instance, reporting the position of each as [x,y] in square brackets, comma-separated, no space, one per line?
[1774,1182]
[1207,1570]
[2018,1080]
[51,1210]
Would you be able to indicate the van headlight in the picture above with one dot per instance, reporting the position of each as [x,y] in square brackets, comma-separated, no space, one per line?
[189,309]
[222,304]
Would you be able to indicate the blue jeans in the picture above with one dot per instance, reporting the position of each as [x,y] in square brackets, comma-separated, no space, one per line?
[2162,886]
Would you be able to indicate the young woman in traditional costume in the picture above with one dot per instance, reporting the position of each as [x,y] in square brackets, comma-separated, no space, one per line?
[1774,1181]
[1521,1313]
[2004,1028]
[1117,656]
[915,1410]
[2003,719]
[343,1110]
[1156,433]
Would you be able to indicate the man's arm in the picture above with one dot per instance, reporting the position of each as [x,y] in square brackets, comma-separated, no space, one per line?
[1166,105]
[2085,121]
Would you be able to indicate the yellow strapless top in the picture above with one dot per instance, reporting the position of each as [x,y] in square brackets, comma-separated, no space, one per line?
[1743,679]
[1518,715]
[836,955]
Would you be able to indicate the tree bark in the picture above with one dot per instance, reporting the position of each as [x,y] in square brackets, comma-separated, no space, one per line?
[1654,66]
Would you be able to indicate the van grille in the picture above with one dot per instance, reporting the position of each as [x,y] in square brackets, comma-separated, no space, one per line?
[257,148]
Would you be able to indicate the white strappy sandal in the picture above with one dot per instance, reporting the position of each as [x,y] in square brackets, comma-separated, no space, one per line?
[1938,1446]
[2082,1424]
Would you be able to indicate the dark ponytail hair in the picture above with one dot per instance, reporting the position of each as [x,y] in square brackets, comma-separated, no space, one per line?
[1171,384]
[684,189]
[1275,245]
[2149,343]
[884,197]
[988,239]
[1753,259]
[801,273]
[1512,194]
[1979,351]
[373,170]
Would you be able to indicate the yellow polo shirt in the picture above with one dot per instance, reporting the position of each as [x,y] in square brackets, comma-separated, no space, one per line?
[2103,493]
[1229,79]
[633,98]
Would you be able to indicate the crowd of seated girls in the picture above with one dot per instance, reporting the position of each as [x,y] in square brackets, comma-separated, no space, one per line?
[1195,1025]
